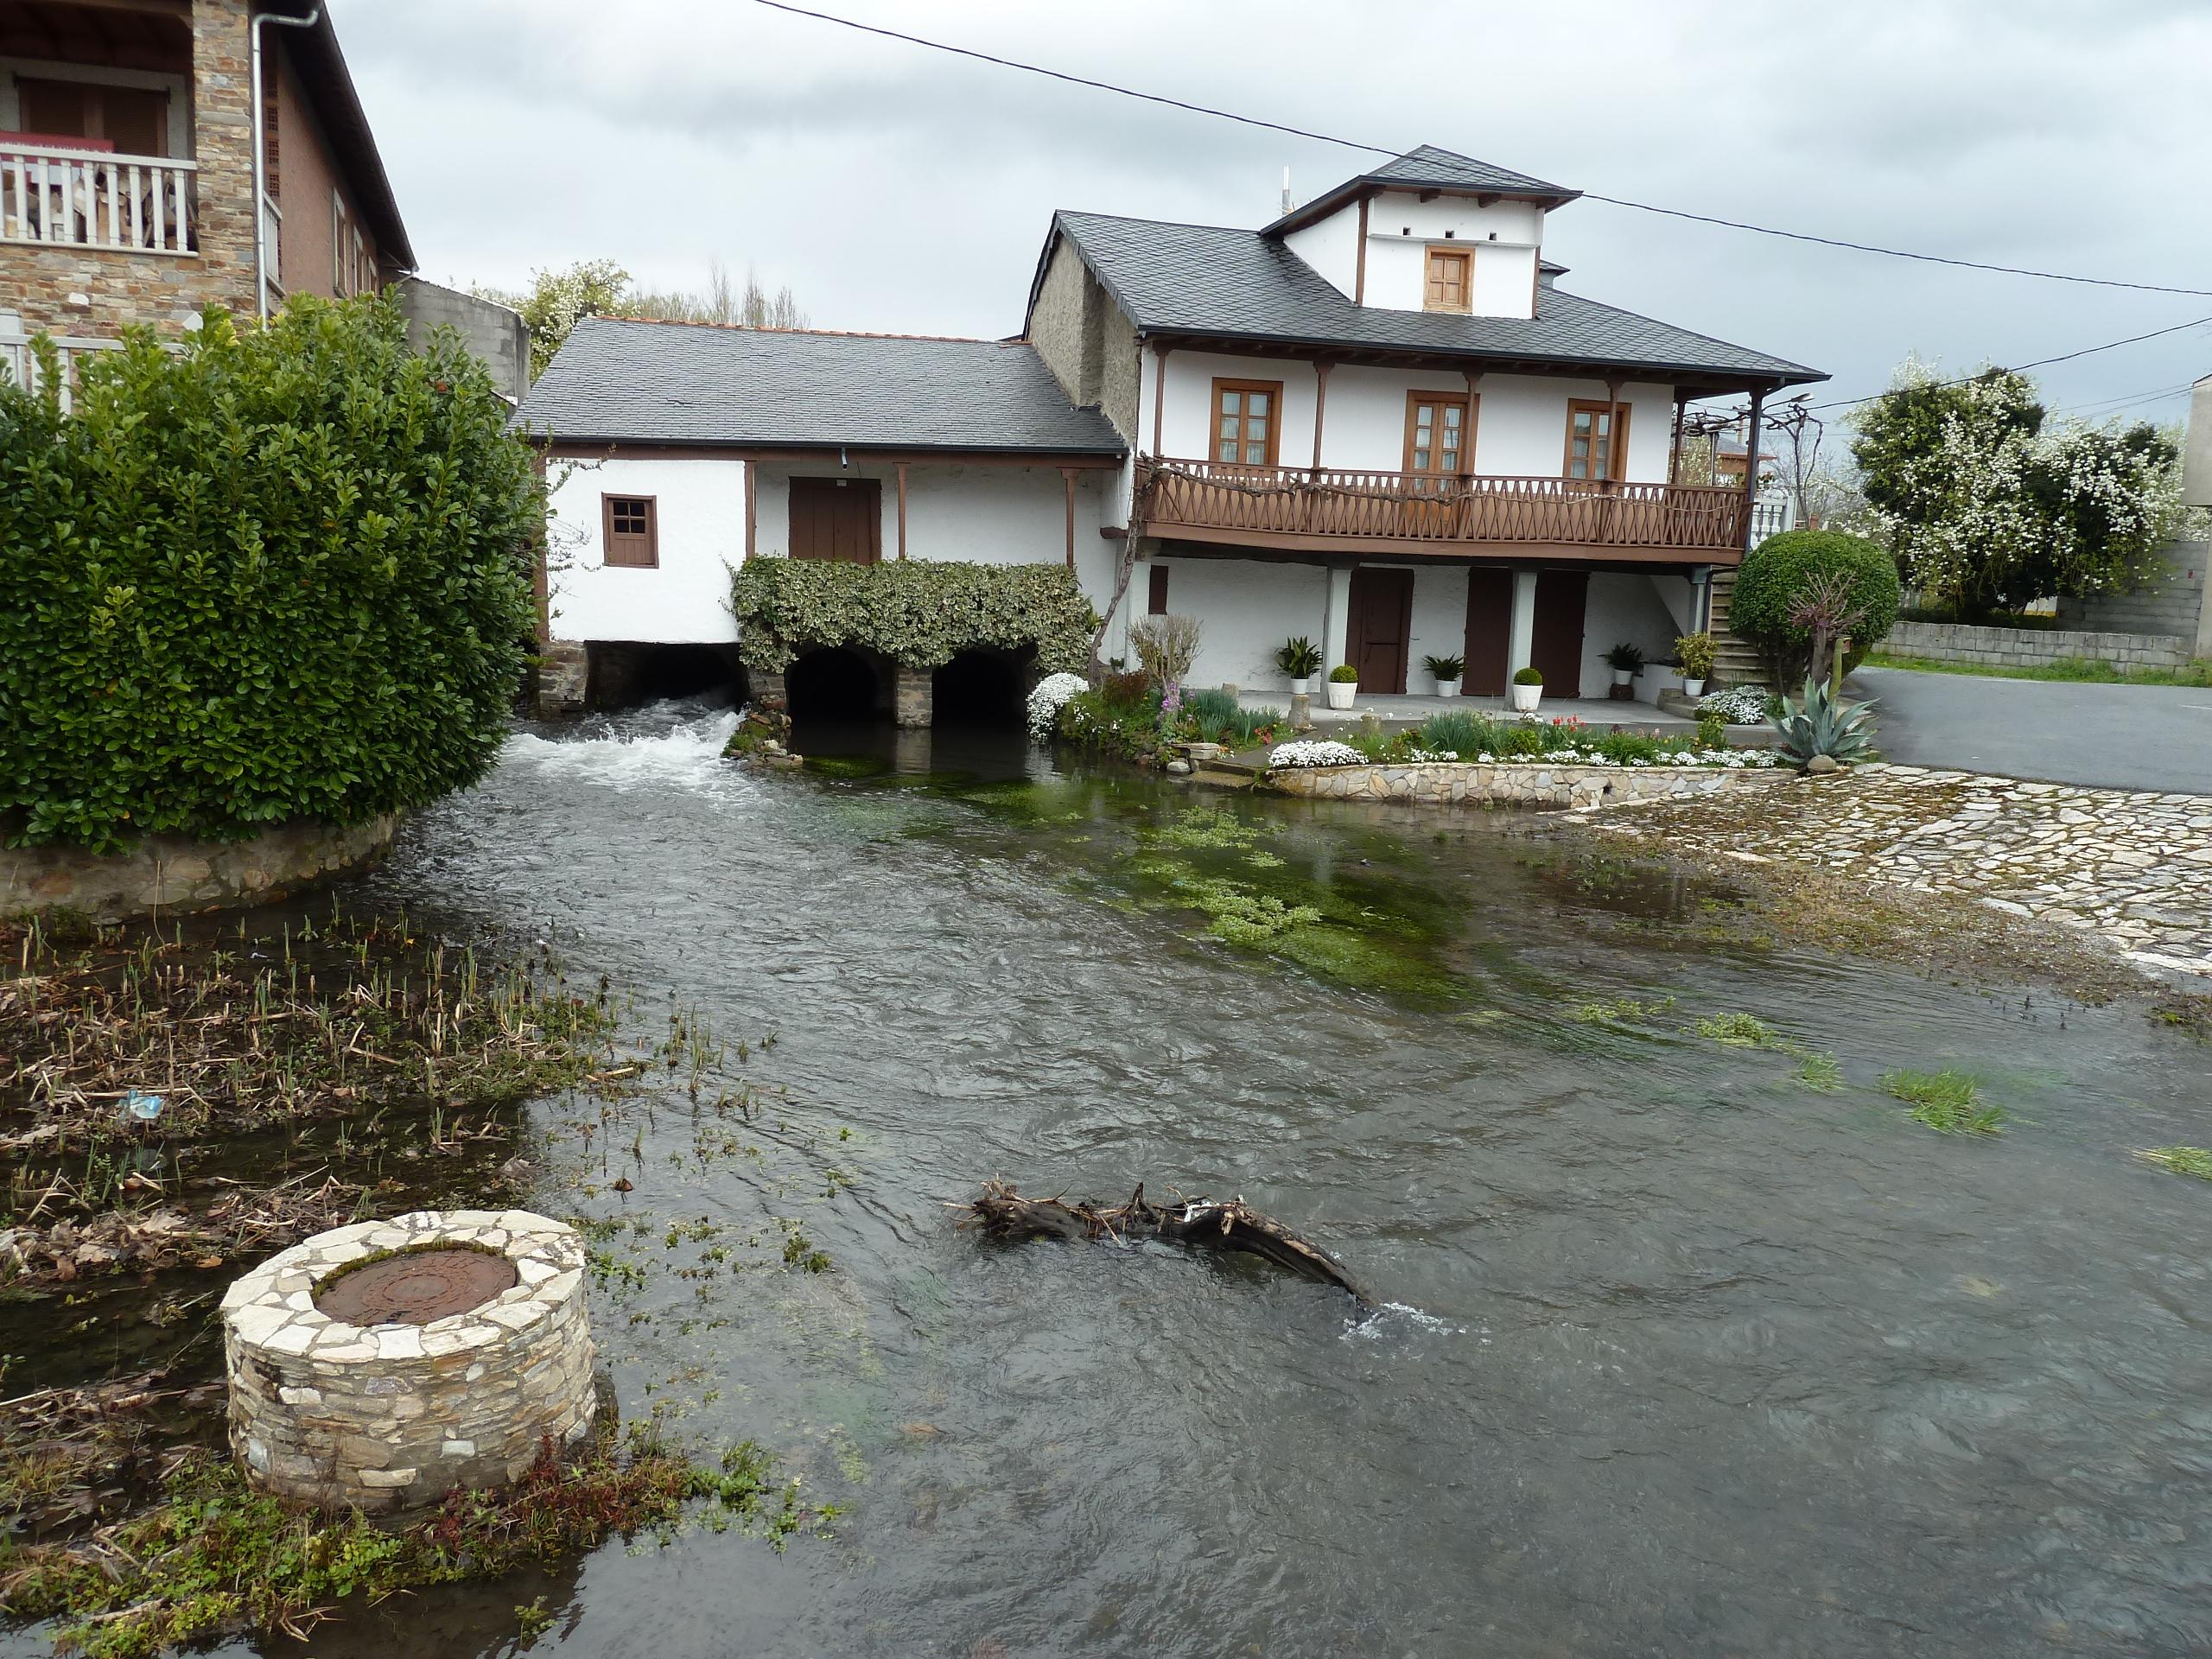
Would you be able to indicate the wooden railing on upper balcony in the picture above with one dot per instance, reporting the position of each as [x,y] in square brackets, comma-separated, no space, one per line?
[96,198]
[1302,507]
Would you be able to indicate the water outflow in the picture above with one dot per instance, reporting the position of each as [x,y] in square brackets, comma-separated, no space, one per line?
[1689,1357]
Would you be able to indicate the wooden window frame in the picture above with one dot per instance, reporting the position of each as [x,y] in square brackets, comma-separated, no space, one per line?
[652,559]
[1470,407]
[1274,389]
[1465,257]
[1616,439]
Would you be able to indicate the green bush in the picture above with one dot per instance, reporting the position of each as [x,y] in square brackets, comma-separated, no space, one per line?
[1775,575]
[1344,674]
[273,575]
[920,612]
[1529,675]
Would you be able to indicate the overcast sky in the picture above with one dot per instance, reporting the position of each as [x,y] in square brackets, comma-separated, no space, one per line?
[904,190]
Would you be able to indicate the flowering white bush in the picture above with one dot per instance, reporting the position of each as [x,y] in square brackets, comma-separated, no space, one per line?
[1046,701]
[1739,705]
[1417,755]
[1313,753]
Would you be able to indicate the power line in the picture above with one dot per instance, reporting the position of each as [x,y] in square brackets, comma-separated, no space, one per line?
[2017,368]
[2155,395]
[1385,149]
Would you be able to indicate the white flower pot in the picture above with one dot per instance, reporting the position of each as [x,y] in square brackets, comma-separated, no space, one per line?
[1525,697]
[1447,688]
[1692,687]
[1301,685]
[1341,692]
[1624,676]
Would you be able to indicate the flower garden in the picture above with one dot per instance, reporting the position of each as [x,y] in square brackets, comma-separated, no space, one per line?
[1484,740]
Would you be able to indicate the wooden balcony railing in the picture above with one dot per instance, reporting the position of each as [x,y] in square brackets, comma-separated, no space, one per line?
[95,199]
[1252,504]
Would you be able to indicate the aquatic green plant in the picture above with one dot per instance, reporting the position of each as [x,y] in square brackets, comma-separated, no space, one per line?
[1620,1011]
[2182,1161]
[1737,1031]
[1204,827]
[1947,1102]
[1820,1072]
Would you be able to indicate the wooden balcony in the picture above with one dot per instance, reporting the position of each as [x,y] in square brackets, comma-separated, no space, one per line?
[94,198]
[1292,509]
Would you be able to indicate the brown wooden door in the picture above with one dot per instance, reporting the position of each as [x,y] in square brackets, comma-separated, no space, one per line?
[1562,599]
[1379,626]
[837,518]
[1490,629]
[1435,460]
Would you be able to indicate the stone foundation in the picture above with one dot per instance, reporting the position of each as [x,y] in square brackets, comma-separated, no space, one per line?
[390,1417]
[174,873]
[1446,783]
[914,696]
[564,679]
[1956,642]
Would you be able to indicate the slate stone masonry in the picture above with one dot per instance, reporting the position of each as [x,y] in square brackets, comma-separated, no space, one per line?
[390,1417]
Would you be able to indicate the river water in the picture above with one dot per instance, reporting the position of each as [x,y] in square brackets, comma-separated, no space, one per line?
[1682,1356]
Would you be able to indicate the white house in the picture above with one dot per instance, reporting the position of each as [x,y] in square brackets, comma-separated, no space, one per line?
[1377,422]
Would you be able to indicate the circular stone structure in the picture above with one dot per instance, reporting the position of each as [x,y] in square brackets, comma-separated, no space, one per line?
[382,1363]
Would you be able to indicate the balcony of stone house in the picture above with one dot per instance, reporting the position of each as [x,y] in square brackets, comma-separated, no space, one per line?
[96,127]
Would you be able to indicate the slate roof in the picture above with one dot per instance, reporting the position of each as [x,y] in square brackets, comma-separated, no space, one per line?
[620,380]
[1426,167]
[1229,284]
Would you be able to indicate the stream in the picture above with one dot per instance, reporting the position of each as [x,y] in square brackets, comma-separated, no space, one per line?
[1680,1354]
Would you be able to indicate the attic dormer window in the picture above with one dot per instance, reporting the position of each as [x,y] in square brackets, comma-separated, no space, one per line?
[1450,287]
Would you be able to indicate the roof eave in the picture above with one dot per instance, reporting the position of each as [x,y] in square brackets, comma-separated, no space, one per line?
[1368,184]
[548,437]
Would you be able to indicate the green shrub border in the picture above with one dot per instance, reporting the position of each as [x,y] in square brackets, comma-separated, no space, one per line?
[921,613]
[1775,572]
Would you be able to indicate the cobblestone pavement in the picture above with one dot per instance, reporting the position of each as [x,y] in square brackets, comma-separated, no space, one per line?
[2134,867]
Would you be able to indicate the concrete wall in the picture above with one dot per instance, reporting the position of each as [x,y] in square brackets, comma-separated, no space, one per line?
[2197,452]
[2173,605]
[175,874]
[1953,642]
[1520,422]
[489,330]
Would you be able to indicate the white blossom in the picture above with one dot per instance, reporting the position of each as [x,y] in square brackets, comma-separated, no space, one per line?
[1047,700]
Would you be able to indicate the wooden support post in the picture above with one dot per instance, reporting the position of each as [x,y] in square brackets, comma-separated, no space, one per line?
[1067,474]
[1474,418]
[1751,462]
[902,508]
[1321,368]
[1159,395]
[1674,445]
[751,516]
[1359,267]
[1616,451]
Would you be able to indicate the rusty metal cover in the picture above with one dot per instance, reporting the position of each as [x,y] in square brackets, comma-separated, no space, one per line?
[415,1287]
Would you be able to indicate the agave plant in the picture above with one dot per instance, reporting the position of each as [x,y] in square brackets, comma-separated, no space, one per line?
[1819,722]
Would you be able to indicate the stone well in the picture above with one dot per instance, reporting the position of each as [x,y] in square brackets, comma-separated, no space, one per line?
[382,1363]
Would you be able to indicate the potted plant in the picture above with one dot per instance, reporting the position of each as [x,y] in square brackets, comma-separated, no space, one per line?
[1528,689]
[1694,653]
[1447,671]
[1301,659]
[1627,662]
[1344,685]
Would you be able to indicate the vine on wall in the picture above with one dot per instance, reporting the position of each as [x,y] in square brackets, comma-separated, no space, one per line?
[921,613]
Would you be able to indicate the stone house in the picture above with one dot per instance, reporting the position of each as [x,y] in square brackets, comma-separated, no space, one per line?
[1379,422]
[142,179]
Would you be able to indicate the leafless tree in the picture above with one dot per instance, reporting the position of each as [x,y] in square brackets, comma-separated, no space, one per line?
[1826,609]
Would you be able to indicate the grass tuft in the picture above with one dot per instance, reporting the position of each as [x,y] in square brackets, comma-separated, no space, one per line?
[1947,1102]
[1820,1072]
[2182,1161]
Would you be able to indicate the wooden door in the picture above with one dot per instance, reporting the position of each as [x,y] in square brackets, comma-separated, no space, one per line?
[1562,599]
[1437,433]
[1379,626]
[1490,630]
[837,518]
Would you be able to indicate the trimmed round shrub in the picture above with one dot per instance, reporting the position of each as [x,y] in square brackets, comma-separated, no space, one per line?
[273,575]
[1776,574]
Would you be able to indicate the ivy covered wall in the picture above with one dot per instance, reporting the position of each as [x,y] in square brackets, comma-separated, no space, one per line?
[921,613]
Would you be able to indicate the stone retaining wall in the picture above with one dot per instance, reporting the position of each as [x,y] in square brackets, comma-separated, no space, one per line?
[1956,642]
[174,873]
[389,1416]
[1446,783]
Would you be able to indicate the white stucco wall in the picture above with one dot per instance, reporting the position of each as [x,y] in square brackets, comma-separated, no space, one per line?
[700,506]
[1400,227]
[1250,606]
[1331,247]
[986,514]
[1628,607]
[1520,424]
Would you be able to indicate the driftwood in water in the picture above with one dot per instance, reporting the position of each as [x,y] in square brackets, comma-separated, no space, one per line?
[1231,1226]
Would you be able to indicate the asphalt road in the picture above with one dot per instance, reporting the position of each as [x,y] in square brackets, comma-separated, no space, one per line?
[2157,737]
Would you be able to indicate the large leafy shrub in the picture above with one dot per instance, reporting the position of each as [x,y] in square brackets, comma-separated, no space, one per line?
[920,612]
[273,575]
[1780,573]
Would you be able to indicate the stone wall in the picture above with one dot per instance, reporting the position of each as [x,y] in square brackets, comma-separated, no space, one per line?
[1528,783]
[173,873]
[1956,642]
[390,1417]
[2172,606]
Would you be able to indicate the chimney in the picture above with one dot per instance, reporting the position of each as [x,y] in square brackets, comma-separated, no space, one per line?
[1286,190]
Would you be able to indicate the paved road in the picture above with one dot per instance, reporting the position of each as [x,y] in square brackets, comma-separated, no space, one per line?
[2157,737]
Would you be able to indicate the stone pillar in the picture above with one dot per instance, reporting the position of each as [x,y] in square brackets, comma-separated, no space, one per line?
[222,122]
[913,696]
[1520,636]
[1336,619]
[563,677]
[766,688]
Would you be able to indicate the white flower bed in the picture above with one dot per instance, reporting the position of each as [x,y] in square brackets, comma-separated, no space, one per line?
[1046,701]
[1739,705]
[1313,753]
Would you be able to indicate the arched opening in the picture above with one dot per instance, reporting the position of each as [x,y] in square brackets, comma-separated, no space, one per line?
[835,684]
[981,687]
[624,674]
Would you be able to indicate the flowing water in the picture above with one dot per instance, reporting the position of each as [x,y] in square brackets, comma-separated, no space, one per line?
[1682,1355]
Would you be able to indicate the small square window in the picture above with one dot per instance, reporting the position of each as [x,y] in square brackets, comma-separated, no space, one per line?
[632,536]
